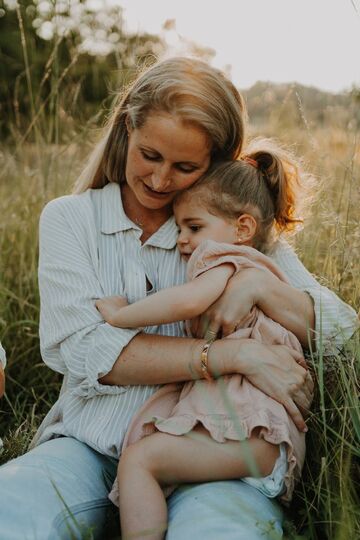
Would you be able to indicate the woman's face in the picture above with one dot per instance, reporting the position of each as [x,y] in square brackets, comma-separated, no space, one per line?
[164,157]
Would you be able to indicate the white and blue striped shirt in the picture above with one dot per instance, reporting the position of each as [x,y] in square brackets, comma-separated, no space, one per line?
[2,356]
[89,248]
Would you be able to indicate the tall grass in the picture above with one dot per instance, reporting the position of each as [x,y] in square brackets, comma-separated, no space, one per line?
[326,504]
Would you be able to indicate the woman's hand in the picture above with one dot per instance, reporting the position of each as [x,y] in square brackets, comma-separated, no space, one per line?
[109,306]
[233,306]
[278,371]
[290,307]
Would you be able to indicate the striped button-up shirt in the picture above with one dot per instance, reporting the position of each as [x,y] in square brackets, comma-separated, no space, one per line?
[2,356]
[89,248]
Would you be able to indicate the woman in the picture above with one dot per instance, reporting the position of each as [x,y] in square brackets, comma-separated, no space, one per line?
[119,239]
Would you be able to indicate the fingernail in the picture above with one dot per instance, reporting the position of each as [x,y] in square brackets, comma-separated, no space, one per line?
[305,430]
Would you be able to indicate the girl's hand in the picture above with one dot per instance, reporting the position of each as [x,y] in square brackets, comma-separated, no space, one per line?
[110,305]
[277,371]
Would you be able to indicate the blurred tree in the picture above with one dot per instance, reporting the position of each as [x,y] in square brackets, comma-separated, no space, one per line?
[63,57]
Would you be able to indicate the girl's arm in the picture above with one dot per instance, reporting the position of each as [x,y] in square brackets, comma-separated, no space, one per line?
[169,305]
[304,307]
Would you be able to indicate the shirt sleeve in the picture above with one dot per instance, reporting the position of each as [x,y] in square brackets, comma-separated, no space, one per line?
[335,321]
[2,356]
[74,338]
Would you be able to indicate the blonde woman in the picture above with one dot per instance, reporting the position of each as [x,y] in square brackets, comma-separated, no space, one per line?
[117,236]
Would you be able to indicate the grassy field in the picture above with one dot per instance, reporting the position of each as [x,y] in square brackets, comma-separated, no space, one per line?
[326,505]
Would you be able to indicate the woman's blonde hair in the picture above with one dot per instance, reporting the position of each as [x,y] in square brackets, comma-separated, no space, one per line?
[265,182]
[186,87]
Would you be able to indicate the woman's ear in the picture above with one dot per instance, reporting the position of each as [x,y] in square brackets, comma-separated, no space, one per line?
[246,229]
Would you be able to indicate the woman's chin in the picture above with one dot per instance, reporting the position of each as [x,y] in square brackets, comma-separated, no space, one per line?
[152,200]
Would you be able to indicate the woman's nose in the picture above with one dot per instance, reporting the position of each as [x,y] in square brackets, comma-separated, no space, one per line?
[160,177]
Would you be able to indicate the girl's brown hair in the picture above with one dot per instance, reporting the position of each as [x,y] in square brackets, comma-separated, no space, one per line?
[186,87]
[264,182]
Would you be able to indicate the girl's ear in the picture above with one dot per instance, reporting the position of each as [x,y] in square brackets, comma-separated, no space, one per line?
[246,229]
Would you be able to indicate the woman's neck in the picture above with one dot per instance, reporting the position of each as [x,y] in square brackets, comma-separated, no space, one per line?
[147,219]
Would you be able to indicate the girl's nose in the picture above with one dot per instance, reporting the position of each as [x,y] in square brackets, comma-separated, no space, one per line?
[182,239]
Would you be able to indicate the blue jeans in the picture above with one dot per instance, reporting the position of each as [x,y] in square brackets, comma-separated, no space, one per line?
[59,491]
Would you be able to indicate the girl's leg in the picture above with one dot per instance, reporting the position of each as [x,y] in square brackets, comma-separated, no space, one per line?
[162,460]
[57,491]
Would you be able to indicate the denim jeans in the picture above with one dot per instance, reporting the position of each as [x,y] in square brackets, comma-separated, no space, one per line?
[59,491]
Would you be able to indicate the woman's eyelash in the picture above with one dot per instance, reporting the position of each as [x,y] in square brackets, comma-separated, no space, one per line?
[185,169]
[179,166]
[150,157]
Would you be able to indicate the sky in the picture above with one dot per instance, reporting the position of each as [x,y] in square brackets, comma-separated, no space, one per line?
[314,42]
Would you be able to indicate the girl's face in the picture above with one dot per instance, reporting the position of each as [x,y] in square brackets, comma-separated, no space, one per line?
[164,157]
[196,224]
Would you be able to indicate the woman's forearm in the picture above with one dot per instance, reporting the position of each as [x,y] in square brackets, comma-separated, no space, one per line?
[153,359]
[290,307]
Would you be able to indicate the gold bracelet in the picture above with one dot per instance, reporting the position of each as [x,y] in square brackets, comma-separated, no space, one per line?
[204,360]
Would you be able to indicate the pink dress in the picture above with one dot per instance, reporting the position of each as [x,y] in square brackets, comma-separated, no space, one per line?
[229,407]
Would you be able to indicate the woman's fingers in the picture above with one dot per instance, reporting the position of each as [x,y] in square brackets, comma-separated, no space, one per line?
[207,328]
[301,361]
[229,327]
[295,414]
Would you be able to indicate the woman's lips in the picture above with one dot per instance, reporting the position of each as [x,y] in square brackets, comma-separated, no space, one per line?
[160,194]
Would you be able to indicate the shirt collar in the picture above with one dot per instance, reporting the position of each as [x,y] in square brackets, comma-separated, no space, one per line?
[114,219]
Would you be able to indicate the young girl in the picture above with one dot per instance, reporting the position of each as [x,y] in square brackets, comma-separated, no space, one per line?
[230,428]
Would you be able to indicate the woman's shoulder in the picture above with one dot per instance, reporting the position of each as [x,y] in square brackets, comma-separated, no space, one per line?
[75,213]
[79,205]
[283,253]
[68,204]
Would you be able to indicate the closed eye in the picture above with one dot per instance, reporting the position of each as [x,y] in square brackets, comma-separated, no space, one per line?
[186,168]
[150,157]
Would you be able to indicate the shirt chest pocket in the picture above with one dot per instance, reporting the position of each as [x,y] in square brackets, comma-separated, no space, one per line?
[120,268]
